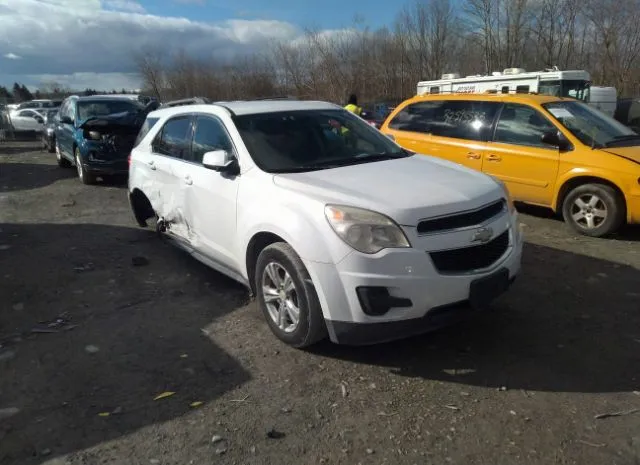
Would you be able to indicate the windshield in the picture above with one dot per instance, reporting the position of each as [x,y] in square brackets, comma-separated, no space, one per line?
[91,108]
[591,126]
[298,141]
[574,88]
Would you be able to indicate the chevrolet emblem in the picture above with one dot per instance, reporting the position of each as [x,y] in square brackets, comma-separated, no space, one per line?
[482,235]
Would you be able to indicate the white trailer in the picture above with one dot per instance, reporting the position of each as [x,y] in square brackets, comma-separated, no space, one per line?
[561,83]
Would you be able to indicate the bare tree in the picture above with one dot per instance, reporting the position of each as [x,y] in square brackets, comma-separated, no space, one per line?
[429,38]
[150,64]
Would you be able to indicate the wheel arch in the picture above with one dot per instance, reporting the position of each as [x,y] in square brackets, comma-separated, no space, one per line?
[580,180]
[257,244]
[141,206]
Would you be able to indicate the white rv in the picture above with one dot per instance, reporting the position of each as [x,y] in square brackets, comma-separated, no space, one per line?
[568,83]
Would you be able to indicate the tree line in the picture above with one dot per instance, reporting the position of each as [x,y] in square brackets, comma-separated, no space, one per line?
[20,93]
[427,39]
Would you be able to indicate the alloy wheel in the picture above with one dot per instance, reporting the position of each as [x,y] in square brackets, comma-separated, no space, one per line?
[280,297]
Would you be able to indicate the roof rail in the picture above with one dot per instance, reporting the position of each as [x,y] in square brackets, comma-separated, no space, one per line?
[282,97]
[186,101]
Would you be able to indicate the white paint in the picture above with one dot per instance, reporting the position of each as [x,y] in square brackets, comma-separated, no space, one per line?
[214,216]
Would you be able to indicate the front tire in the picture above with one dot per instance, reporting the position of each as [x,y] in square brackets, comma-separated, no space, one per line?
[62,161]
[594,210]
[85,178]
[51,146]
[287,297]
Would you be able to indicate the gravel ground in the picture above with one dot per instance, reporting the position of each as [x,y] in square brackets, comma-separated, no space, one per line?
[522,383]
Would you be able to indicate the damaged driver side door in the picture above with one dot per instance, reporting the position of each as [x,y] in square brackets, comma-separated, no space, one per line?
[210,207]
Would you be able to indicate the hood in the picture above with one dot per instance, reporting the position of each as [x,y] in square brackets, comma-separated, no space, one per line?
[630,153]
[108,123]
[406,189]
[132,120]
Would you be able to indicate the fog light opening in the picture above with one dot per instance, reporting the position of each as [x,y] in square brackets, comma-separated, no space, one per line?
[377,301]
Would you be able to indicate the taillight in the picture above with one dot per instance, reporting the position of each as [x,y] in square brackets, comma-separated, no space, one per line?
[129,159]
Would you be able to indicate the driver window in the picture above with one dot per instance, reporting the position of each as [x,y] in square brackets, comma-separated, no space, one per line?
[210,135]
[71,110]
[522,125]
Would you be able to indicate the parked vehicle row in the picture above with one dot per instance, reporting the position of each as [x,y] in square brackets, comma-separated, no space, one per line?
[349,232]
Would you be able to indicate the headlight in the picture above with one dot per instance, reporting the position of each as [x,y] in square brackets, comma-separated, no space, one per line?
[507,195]
[364,230]
[94,135]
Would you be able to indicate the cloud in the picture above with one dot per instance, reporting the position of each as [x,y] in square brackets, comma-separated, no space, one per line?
[80,81]
[124,5]
[83,39]
[12,56]
[190,2]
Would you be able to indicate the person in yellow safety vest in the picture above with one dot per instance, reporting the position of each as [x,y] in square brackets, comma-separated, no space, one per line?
[352,105]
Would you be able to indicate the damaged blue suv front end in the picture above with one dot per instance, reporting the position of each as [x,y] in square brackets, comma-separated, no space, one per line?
[106,141]
[96,134]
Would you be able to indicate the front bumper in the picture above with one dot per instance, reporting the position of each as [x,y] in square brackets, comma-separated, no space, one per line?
[343,332]
[114,168]
[100,159]
[436,299]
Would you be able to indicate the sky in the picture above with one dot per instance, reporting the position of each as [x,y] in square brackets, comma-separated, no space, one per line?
[90,43]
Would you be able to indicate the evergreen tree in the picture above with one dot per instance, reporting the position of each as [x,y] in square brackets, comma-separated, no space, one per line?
[26,93]
[17,92]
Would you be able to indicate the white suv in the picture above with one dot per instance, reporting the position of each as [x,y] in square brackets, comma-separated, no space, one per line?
[336,229]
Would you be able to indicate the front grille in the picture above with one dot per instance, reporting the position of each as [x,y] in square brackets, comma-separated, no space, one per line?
[471,258]
[462,220]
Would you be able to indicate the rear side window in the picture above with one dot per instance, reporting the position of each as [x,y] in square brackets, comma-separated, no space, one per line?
[144,130]
[175,137]
[459,119]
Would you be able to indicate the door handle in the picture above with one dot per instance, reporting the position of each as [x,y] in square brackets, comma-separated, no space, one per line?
[188,180]
[152,164]
[494,157]
[473,155]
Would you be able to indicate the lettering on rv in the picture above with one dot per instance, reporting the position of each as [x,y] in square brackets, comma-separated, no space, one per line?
[466,89]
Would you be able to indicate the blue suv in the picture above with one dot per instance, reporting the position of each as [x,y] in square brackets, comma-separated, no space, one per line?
[95,134]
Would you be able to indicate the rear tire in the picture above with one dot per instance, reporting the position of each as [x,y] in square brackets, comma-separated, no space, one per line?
[285,294]
[595,210]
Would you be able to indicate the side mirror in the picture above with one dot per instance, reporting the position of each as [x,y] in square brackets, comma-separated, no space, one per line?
[220,160]
[65,120]
[555,139]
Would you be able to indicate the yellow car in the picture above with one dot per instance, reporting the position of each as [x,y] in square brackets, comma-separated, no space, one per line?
[549,151]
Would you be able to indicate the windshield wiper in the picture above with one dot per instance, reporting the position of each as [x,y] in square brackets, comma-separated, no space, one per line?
[336,163]
[379,156]
[624,138]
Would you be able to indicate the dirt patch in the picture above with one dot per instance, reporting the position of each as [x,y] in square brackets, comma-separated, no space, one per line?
[519,384]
